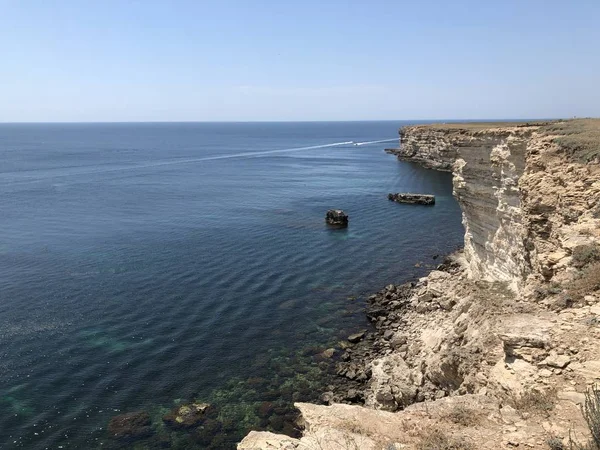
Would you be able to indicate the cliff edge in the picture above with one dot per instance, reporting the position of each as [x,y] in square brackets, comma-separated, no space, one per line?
[499,347]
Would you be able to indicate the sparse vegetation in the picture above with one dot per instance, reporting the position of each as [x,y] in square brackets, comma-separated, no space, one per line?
[562,301]
[587,283]
[583,255]
[535,401]
[461,415]
[579,138]
[591,414]
[438,440]
[555,443]
[477,126]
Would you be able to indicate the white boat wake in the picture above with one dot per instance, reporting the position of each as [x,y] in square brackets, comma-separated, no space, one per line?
[34,176]
[374,142]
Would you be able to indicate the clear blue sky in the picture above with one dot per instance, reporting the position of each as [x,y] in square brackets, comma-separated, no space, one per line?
[298,60]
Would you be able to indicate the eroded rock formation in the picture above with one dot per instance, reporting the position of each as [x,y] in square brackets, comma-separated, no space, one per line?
[336,218]
[417,199]
[487,164]
[500,345]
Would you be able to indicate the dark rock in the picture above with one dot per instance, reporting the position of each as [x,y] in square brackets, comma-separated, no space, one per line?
[265,409]
[388,334]
[220,441]
[337,218]
[375,312]
[276,423]
[357,337]
[352,395]
[130,426]
[160,441]
[327,398]
[257,382]
[326,354]
[187,415]
[272,394]
[311,351]
[415,199]
[387,401]
[207,432]
[290,429]
[281,410]
[229,425]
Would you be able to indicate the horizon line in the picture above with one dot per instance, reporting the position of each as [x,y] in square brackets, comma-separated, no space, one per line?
[521,119]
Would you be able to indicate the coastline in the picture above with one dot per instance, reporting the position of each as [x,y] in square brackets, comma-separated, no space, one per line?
[500,347]
[386,311]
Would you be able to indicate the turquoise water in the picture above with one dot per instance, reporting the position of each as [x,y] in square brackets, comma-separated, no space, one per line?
[144,265]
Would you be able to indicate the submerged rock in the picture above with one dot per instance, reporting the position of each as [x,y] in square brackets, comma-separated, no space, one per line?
[134,425]
[265,409]
[206,434]
[328,353]
[337,218]
[187,415]
[357,337]
[415,199]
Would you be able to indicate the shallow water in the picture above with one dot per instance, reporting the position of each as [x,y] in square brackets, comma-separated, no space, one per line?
[146,264]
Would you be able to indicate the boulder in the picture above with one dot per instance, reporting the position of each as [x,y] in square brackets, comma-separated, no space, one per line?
[336,218]
[557,361]
[187,415]
[328,353]
[414,199]
[130,426]
[394,384]
[357,337]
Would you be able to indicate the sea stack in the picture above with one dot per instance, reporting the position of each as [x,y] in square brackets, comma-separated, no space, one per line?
[415,199]
[336,218]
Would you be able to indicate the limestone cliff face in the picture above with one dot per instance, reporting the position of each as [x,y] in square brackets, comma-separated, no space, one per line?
[515,316]
[431,148]
[487,165]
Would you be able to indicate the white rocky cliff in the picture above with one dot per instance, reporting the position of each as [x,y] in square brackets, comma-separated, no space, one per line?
[486,165]
[498,348]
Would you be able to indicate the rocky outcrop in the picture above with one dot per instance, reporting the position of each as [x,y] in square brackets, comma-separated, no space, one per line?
[130,426]
[336,218]
[415,199]
[487,165]
[188,415]
[519,192]
[560,200]
[465,422]
[432,148]
[499,346]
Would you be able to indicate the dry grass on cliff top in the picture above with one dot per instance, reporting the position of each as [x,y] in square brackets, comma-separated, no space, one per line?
[480,126]
[580,138]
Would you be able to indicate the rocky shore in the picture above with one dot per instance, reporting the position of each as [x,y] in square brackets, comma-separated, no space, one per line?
[498,347]
[388,312]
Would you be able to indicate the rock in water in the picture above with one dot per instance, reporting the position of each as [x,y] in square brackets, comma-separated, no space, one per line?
[357,337]
[337,218]
[130,426]
[415,199]
[187,415]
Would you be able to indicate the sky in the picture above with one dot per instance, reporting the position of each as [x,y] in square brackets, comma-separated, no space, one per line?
[125,60]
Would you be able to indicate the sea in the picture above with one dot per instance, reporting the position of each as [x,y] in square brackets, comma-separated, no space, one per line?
[147,265]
